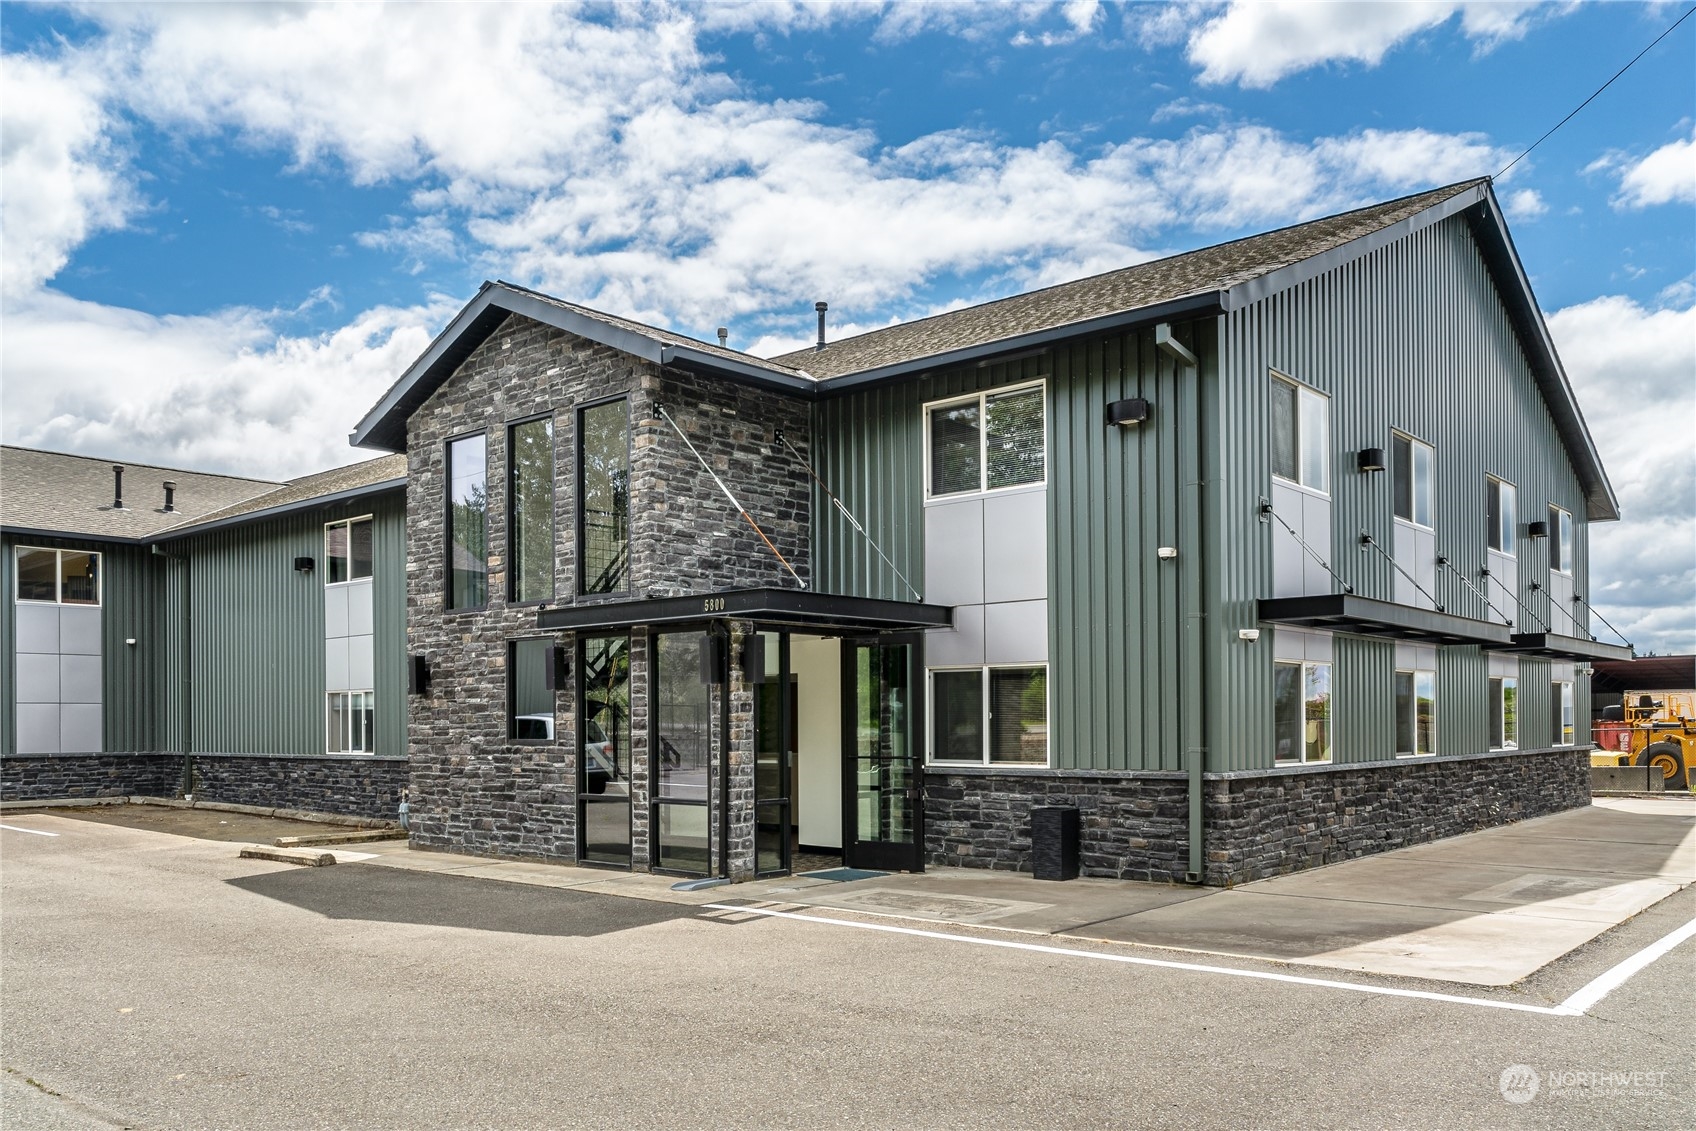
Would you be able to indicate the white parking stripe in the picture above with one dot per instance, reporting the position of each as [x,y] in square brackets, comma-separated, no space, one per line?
[37,832]
[1563,1010]
[1587,998]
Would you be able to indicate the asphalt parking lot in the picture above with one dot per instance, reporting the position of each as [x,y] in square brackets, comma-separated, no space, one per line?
[153,980]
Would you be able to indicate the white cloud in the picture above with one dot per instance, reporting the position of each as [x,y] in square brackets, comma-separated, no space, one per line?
[1666,176]
[1525,204]
[1257,42]
[223,392]
[63,176]
[1634,371]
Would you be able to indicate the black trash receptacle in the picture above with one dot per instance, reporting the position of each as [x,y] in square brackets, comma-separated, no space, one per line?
[1054,842]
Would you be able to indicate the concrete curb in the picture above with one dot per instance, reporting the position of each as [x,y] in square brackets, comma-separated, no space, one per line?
[267,811]
[288,855]
[63,803]
[357,836]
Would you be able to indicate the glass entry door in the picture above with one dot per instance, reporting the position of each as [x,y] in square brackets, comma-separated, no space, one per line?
[883,804]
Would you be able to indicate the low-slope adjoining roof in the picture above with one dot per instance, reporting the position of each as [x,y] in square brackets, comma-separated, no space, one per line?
[63,494]
[364,478]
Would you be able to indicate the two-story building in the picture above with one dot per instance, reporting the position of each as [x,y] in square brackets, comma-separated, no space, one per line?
[1261,556]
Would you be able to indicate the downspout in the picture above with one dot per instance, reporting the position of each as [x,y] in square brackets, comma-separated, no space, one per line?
[1192,699]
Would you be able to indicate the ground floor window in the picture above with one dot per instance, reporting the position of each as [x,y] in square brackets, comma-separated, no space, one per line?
[1503,708]
[990,715]
[603,763]
[681,709]
[1561,698]
[1301,712]
[1416,719]
[530,690]
[353,722]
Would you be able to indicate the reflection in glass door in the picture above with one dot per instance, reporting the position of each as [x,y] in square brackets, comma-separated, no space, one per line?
[882,792]
[775,705]
[603,760]
[681,745]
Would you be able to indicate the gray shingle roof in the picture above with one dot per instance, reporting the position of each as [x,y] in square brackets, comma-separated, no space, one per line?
[321,485]
[1147,284]
[71,494]
[60,493]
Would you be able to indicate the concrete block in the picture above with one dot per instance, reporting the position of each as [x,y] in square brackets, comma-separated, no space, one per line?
[303,856]
[1628,779]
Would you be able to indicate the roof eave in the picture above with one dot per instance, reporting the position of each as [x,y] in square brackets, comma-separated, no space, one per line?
[295,507]
[77,535]
[1190,306]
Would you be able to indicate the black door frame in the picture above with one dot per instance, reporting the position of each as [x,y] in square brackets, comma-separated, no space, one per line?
[879,855]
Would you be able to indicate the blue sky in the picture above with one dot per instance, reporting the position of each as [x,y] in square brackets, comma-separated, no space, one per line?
[251,219]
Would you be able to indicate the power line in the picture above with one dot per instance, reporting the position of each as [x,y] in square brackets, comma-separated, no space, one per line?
[1599,90]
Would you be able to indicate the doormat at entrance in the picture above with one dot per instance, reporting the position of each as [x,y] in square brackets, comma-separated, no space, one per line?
[843,875]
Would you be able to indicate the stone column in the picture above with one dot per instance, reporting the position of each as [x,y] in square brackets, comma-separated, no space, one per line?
[641,852]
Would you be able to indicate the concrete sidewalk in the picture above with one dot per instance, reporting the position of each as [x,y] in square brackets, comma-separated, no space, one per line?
[1488,909]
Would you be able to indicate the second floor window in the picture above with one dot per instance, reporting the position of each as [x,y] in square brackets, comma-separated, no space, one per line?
[347,551]
[60,577]
[530,510]
[987,442]
[1560,540]
[468,522]
[1411,463]
[603,497]
[1500,515]
[1301,431]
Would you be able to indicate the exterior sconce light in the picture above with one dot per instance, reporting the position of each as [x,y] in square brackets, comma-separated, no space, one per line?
[1536,530]
[1369,459]
[1248,635]
[1128,412]
[305,565]
[1166,553]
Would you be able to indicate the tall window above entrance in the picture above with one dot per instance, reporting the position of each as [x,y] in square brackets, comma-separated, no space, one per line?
[468,522]
[603,497]
[530,510]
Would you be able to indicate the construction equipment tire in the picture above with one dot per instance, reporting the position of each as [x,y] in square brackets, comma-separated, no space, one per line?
[1669,760]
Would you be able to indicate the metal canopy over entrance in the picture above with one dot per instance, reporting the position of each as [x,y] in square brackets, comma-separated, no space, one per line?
[1363,616]
[1556,647]
[797,607]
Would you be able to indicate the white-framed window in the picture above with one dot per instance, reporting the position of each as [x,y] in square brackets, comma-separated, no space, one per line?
[1416,713]
[1560,540]
[1301,712]
[347,550]
[1412,467]
[988,441]
[1503,709]
[57,577]
[352,719]
[1501,514]
[1301,434]
[1561,699]
[995,716]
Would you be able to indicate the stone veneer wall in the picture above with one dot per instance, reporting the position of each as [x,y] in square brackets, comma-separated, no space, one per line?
[472,790]
[1255,824]
[355,785]
[52,777]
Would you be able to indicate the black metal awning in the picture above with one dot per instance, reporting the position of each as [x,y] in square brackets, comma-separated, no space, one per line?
[1556,647]
[1362,616]
[797,607]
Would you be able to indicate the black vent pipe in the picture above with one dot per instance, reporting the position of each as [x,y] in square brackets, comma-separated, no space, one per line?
[170,496]
[117,487]
[821,307]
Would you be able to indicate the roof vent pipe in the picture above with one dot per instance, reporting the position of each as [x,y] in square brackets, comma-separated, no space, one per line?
[821,307]
[724,337]
[117,487]
[170,496]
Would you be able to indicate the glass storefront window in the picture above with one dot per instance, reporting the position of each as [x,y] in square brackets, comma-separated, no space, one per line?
[682,707]
[603,765]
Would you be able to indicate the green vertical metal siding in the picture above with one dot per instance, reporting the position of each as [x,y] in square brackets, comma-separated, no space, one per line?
[129,610]
[257,632]
[1413,337]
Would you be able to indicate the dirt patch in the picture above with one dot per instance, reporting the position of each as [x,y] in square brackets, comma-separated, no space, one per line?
[202,824]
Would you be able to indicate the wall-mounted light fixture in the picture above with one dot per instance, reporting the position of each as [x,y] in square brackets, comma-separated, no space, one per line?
[1537,529]
[712,658]
[1369,459]
[1127,412]
[1248,635]
[1166,553]
[754,658]
[305,565]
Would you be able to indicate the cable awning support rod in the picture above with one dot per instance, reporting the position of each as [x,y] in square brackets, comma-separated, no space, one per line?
[707,467]
[1266,509]
[1445,563]
[1367,540]
[849,515]
[1580,597]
